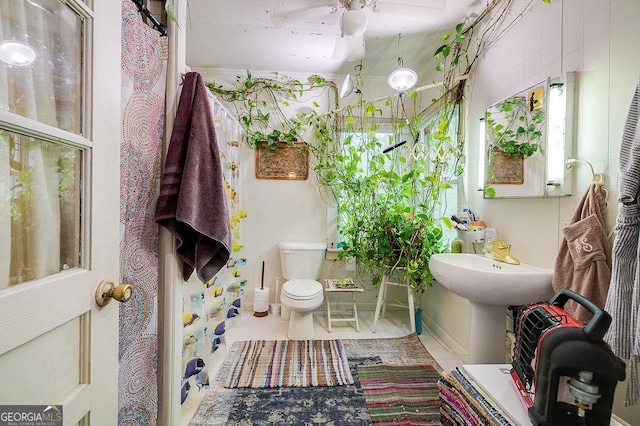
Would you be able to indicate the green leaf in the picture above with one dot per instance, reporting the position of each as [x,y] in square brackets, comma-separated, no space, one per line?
[489,192]
[371,109]
[169,7]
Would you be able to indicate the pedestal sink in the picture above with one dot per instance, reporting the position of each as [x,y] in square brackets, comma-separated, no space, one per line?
[490,286]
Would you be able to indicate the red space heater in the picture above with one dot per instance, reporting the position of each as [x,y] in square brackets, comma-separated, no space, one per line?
[564,372]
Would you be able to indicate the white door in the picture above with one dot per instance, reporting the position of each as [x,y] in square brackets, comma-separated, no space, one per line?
[59,204]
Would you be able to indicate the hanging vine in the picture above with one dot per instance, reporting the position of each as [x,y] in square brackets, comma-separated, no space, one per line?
[388,182]
[260,105]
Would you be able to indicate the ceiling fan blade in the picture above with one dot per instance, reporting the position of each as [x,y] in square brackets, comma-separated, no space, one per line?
[349,49]
[414,10]
[320,10]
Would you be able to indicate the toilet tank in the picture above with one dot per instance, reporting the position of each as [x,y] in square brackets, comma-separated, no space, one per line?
[302,260]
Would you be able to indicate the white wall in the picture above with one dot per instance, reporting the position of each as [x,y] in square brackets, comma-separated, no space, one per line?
[598,40]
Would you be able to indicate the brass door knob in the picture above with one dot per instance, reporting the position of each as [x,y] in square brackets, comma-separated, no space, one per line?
[107,290]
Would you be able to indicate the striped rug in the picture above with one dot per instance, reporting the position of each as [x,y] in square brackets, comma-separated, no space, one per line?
[287,363]
[401,394]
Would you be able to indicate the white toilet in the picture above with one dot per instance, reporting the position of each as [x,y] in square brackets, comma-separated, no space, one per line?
[301,293]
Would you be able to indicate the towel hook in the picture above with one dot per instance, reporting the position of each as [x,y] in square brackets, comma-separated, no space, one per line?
[598,178]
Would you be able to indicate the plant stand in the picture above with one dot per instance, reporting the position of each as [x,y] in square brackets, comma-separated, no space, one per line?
[382,304]
[342,286]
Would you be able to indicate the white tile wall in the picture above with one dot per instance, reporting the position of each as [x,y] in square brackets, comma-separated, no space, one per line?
[599,40]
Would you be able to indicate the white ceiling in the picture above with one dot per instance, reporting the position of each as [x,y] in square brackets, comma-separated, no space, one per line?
[299,36]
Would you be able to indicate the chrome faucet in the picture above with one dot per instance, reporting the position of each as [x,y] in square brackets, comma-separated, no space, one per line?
[500,251]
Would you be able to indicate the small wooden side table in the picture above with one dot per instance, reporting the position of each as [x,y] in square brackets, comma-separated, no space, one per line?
[346,285]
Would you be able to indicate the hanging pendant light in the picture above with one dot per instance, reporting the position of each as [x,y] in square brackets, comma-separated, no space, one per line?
[16,53]
[351,83]
[347,86]
[402,79]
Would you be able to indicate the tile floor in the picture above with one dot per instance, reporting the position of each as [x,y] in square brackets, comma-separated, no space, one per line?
[272,327]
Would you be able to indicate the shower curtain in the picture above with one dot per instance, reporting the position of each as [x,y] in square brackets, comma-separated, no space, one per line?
[144,56]
[208,306]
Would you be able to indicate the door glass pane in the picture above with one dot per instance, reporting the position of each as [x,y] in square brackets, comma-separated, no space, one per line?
[39,208]
[40,62]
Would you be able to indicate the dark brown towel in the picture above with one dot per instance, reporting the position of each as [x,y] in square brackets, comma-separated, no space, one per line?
[192,204]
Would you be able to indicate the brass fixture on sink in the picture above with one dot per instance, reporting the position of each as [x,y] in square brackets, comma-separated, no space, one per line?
[500,251]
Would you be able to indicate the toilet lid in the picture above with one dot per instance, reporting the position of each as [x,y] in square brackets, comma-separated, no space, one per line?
[302,289]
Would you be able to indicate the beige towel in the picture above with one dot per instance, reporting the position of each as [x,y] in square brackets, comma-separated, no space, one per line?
[583,263]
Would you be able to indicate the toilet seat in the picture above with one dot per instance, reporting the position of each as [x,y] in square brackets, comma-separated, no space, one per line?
[302,289]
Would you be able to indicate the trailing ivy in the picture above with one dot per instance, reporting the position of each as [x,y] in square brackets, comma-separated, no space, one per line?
[260,104]
[389,200]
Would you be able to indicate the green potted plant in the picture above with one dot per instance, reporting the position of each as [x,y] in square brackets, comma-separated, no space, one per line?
[515,130]
[388,199]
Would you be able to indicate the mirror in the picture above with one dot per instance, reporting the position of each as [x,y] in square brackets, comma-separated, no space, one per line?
[527,138]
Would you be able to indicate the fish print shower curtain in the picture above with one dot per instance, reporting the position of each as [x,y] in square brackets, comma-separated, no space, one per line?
[208,306]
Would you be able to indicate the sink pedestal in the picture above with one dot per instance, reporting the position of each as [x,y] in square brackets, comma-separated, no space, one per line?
[488,334]
[490,287]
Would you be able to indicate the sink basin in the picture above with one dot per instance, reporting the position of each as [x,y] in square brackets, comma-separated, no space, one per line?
[483,280]
[490,286]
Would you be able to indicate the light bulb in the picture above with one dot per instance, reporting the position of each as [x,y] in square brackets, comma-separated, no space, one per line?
[16,53]
[354,23]
[402,79]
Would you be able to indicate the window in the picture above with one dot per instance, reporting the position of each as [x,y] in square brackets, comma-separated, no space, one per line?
[387,151]
[41,137]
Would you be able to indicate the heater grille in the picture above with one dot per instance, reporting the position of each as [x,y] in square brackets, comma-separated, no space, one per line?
[532,323]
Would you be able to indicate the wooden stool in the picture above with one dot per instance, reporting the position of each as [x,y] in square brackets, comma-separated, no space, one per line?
[381,305]
[342,286]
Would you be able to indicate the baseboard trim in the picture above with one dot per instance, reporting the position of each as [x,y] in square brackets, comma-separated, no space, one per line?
[445,338]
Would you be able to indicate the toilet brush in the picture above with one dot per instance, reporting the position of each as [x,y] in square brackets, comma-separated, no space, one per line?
[261,299]
[275,307]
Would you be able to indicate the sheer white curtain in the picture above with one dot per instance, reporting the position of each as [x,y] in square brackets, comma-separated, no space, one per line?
[30,222]
[5,205]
